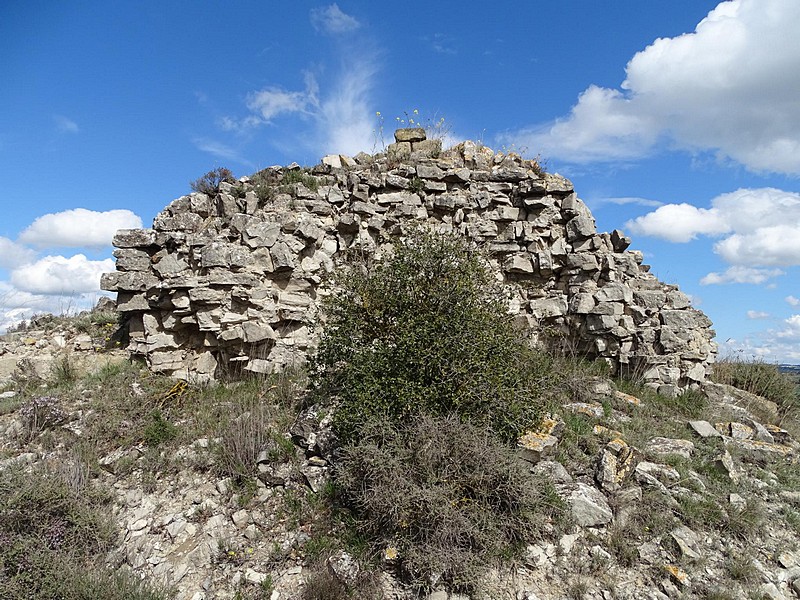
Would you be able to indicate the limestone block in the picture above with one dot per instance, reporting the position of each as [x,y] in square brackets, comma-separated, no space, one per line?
[607,308]
[132,259]
[391,198]
[548,307]
[166,361]
[615,292]
[619,241]
[206,295]
[208,318]
[261,233]
[584,261]
[580,227]
[170,266]
[581,304]
[677,299]
[127,302]
[134,238]
[399,151]
[518,263]
[460,175]
[410,134]
[600,323]
[254,332]
[556,184]
[652,299]
[589,506]
[429,172]
[332,160]
[161,341]
[128,281]
[426,149]
[282,257]
[662,446]
[308,230]
[507,213]
[684,319]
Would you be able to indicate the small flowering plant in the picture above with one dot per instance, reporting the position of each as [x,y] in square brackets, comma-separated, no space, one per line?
[435,128]
[44,412]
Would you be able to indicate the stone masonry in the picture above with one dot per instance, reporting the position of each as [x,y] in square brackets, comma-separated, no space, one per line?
[232,282]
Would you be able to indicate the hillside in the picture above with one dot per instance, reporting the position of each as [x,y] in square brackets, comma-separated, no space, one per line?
[441,444]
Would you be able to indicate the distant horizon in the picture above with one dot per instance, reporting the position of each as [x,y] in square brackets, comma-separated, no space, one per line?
[677,122]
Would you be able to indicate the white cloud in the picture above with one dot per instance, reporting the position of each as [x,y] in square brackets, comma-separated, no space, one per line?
[332,20]
[760,227]
[721,88]
[777,245]
[625,200]
[221,150]
[273,101]
[65,125]
[757,314]
[792,301]
[340,116]
[61,275]
[78,228]
[16,305]
[13,254]
[345,122]
[679,223]
[791,329]
[737,274]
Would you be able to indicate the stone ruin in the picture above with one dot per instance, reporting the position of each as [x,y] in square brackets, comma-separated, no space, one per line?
[231,281]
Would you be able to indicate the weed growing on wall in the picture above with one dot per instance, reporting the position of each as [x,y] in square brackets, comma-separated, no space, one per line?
[209,183]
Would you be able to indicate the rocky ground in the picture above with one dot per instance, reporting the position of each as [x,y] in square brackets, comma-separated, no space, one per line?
[689,497]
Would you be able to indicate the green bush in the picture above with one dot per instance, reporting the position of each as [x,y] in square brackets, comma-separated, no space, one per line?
[425,331]
[159,430]
[447,496]
[300,176]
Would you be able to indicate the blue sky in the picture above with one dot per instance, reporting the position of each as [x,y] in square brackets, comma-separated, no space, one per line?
[678,121]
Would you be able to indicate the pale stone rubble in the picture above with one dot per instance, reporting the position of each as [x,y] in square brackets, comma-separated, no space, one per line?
[233,282]
[192,530]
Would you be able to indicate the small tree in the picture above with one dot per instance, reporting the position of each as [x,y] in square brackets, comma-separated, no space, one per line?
[424,332]
[209,183]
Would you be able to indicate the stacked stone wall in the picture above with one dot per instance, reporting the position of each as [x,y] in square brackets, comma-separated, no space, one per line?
[232,282]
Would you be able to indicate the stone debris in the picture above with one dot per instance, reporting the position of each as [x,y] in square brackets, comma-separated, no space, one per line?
[615,464]
[589,506]
[704,429]
[662,446]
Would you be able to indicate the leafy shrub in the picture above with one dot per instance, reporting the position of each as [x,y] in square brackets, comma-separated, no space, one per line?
[209,183]
[447,495]
[159,430]
[300,176]
[425,332]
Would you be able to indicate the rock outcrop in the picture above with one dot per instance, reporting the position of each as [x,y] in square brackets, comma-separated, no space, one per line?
[233,282]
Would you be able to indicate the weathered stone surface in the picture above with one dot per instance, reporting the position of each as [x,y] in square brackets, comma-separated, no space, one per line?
[589,506]
[235,252]
[134,238]
[410,134]
[662,446]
